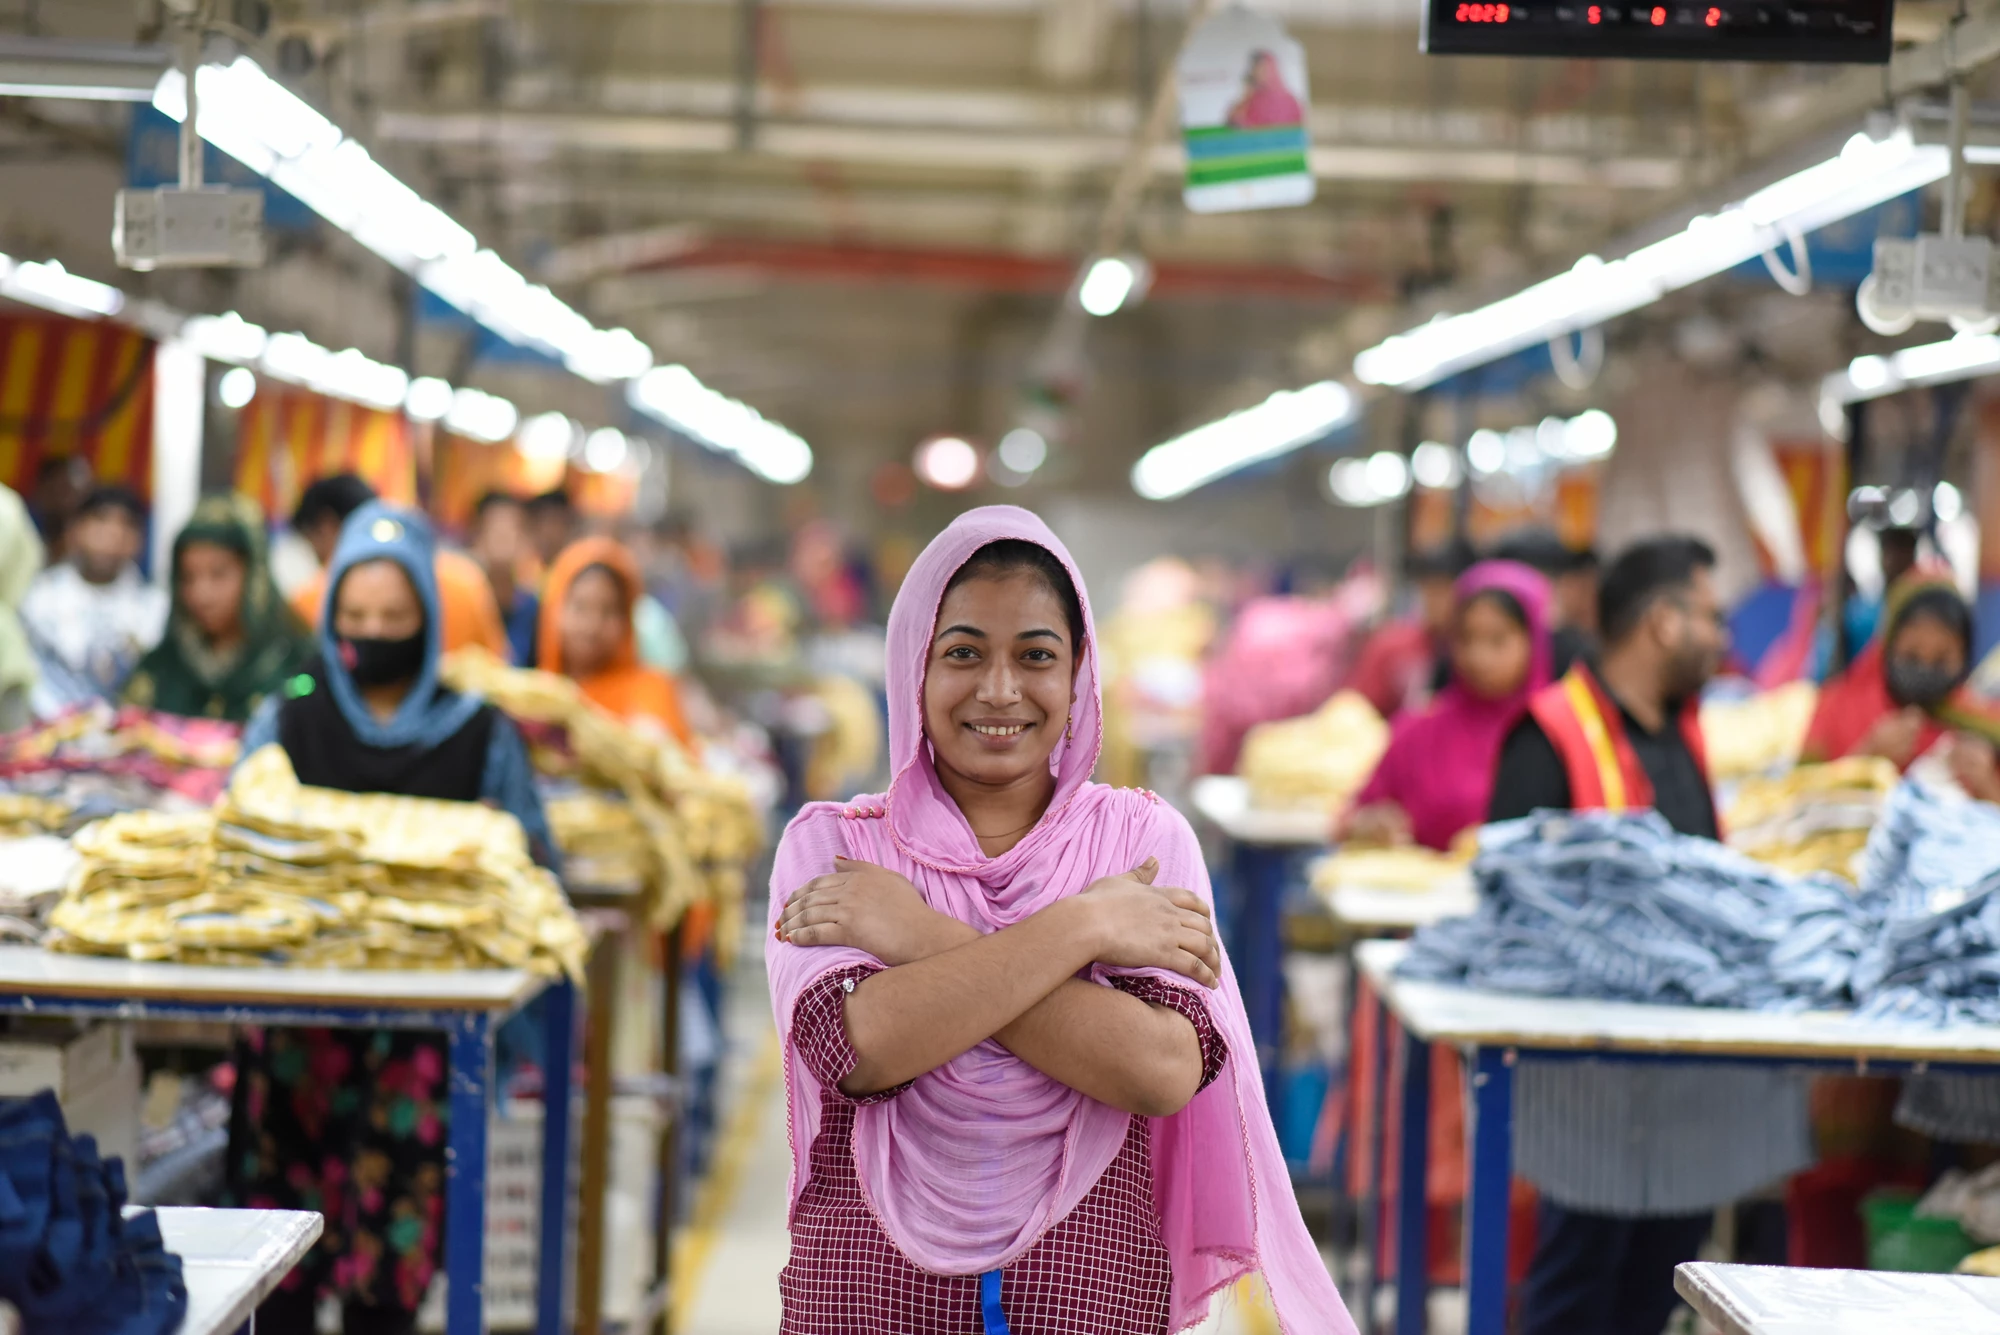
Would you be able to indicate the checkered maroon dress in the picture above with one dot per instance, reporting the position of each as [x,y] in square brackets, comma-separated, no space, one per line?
[1102,1270]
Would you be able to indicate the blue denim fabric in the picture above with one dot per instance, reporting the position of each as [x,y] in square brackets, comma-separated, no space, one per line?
[1619,907]
[1932,873]
[69,1260]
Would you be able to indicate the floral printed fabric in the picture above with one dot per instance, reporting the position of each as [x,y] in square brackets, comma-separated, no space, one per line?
[352,1124]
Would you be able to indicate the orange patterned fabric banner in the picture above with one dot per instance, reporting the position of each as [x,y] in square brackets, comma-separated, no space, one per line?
[286,438]
[75,387]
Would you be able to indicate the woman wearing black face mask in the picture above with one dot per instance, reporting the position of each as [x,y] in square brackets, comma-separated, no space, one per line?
[1900,697]
[350,1123]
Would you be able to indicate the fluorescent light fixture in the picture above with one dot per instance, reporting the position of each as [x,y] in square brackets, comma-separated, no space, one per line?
[947,463]
[1867,172]
[225,338]
[1023,450]
[1946,503]
[1963,357]
[546,437]
[481,416]
[1434,464]
[262,124]
[1106,285]
[85,71]
[237,387]
[1486,451]
[1288,419]
[54,288]
[605,450]
[1348,479]
[1590,435]
[672,395]
[1376,480]
[429,399]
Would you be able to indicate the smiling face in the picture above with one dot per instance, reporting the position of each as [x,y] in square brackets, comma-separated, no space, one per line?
[998,684]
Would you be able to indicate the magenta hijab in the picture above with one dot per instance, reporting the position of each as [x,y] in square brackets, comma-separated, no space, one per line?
[1440,762]
[974,1162]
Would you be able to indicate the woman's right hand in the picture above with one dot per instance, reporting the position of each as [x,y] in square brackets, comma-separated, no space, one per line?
[1377,825]
[1138,925]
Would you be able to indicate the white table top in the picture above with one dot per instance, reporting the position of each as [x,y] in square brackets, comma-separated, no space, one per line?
[1224,800]
[232,1259]
[1774,1300]
[1371,908]
[1461,1015]
[45,973]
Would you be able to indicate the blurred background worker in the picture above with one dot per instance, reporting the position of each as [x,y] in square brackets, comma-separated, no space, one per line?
[499,543]
[93,613]
[1631,1160]
[469,613]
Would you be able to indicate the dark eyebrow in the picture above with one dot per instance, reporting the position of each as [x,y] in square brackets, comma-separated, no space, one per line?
[1041,634]
[959,630]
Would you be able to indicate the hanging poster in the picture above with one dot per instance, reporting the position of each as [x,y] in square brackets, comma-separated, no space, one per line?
[1244,114]
[288,437]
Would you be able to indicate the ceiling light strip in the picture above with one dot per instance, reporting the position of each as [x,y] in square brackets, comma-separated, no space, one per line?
[1867,172]
[1282,423]
[262,124]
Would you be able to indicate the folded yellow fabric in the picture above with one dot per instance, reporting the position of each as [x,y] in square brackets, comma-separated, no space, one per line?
[282,872]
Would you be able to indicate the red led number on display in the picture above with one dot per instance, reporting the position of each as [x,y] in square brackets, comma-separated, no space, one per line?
[1714,18]
[1596,14]
[1659,16]
[1480,13]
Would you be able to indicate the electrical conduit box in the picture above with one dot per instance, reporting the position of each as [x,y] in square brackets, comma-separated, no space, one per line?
[168,227]
[1932,277]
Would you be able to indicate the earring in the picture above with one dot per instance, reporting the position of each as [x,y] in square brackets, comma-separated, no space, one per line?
[1069,728]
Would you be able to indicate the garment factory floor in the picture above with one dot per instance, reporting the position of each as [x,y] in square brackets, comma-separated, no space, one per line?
[734,1243]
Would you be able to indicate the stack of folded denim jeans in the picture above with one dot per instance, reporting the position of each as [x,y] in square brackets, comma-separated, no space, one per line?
[70,1261]
[1932,873]
[1617,906]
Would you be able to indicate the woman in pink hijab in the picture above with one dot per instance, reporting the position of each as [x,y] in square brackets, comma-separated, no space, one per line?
[1023,1093]
[1433,782]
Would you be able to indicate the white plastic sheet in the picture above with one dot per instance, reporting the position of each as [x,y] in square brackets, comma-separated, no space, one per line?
[1773,1300]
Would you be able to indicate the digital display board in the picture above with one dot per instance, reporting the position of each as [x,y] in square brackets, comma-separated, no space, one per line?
[1853,32]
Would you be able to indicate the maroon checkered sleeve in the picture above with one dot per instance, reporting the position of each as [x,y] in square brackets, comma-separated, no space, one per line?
[1188,1002]
[819,1032]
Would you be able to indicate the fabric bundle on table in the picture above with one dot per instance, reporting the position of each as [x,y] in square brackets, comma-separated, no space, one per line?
[290,874]
[703,828]
[1816,818]
[1932,870]
[1318,761]
[1619,907]
[1759,733]
[96,760]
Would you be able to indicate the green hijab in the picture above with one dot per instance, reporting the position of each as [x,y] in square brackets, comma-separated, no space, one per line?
[184,674]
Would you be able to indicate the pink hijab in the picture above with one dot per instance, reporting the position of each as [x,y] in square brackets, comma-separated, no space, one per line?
[1440,762]
[968,1168]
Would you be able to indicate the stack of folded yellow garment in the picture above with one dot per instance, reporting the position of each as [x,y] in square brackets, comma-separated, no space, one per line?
[1318,761]
[703,829]
[284,873]
[1412,869]
[1816,818]
[22,814]
[1760,734]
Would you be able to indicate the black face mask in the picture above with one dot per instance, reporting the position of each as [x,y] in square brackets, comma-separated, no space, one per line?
[1919,684]
[379,662]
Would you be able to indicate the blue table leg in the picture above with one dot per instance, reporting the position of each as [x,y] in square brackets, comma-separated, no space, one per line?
[465,1175]
[1378,1170]
[1413,1281]
[1487,1193]
[559,1017]
[1260,876]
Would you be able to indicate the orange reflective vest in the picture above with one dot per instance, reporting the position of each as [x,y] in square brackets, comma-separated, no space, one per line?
[1588,731]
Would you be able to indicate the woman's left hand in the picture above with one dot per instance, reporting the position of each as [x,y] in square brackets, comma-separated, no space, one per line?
[1974,765]
[869,908]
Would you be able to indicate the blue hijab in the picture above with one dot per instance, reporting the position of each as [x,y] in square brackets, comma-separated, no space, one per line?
[429,714]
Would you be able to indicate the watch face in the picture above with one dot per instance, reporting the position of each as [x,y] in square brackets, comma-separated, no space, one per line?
[1829,31]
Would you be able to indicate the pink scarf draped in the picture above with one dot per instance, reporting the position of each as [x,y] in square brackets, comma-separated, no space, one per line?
[1440,762]
[968,1168]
